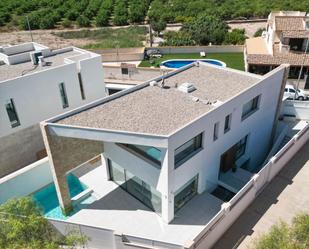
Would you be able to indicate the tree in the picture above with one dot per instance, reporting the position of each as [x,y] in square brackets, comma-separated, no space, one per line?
[205,29]
[282,235]
[120,13]
[23,226]
[158,26]
[236,37]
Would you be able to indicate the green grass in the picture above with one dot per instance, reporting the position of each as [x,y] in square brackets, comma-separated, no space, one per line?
[232,60]
[108,37]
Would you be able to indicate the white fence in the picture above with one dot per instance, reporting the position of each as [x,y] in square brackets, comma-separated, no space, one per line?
[100,238]
[26,180]
[230,211]
[198,49]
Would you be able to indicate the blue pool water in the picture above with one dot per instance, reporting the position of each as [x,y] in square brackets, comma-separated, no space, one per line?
[47,198]
[181,63]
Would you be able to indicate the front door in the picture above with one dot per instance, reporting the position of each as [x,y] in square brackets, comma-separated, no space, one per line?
[228,159]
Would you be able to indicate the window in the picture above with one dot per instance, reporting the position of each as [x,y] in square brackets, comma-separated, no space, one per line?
[187,150]
[216,131]
[250,107]
[135,186]
[11,111]
[81,86]
[241,147]
[185,193]
[227,123]
[124,70]
[151,153]
[63,95]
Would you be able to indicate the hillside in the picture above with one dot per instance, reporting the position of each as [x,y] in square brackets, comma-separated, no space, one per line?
[46,14]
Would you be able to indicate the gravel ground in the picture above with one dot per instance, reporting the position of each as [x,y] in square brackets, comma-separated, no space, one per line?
[250,28]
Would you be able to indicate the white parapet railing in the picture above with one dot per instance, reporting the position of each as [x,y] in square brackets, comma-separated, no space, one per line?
[231,210]
[101,238]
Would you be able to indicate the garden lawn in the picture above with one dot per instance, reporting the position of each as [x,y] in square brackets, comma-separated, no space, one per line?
[109,38]
[232,60]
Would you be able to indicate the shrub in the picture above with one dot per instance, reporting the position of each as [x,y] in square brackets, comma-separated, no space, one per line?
[66,23]
[282,235]
[236,37]
[83,21]
[259,32]
[179,38]
[206,29]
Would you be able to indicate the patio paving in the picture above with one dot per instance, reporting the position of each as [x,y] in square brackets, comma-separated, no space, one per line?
[286,196]
[117,210]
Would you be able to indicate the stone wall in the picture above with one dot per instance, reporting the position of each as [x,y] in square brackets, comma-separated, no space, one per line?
[19,149]
[65,154]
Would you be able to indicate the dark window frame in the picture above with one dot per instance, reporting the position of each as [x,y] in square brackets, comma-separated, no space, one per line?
[141,154]
[227,123]
[241,147]
[12,113]
[197,147]
[255,105]
[63,95]
[81,86]
[216,131]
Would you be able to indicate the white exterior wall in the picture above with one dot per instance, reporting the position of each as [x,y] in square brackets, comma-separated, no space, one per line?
[206,163]
[259,126]
[25,181]
[37,96]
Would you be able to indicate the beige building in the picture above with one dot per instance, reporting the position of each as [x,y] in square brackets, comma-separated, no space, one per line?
[284,41]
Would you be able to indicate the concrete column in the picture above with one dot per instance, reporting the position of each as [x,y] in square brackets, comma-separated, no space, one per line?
[66,153]
[167,169]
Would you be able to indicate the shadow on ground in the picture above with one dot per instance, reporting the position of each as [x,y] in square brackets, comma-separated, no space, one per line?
[243,226]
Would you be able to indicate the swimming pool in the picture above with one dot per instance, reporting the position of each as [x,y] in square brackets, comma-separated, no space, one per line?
[178,63]
[47,198]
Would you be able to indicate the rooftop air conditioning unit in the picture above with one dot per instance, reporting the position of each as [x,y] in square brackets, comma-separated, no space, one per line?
[35,57]
[186,87]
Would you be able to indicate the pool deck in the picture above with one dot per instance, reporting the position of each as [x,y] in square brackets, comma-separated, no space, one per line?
[117,210]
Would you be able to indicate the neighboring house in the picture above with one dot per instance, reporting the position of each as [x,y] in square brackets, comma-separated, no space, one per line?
[284,41]
[171,138]
[37,83]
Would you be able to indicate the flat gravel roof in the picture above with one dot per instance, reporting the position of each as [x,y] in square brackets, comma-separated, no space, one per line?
[12,71]
[161,111]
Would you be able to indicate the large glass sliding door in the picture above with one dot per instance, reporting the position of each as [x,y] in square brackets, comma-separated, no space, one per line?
[135,186]
[185,193]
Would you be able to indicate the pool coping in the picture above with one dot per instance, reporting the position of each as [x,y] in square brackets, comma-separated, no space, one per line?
[193,61]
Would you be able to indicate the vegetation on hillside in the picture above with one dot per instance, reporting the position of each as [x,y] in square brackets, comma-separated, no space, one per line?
[204,30]
[109,38]
[46,14]
[23,226]
[282,235]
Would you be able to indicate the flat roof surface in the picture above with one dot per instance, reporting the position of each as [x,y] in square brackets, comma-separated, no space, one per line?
[256,45]
[160,111]
[12,71]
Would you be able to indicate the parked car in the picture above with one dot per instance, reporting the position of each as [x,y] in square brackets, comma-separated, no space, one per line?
[289,92]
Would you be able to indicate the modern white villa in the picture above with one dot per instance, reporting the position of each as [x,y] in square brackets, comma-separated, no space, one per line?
[172,138]
[284,41]
[37,83]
